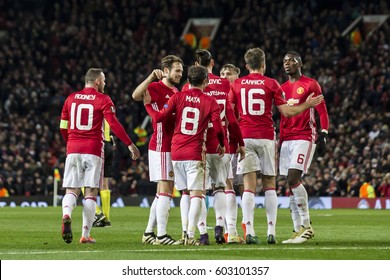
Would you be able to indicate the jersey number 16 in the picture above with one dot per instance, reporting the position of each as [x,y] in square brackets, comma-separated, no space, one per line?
[256,106]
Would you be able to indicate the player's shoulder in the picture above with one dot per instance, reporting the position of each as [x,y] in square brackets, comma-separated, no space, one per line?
[185,87]
[238,81]
[272,81]
[285,83]
[155,85]
[307,79]
[312,84]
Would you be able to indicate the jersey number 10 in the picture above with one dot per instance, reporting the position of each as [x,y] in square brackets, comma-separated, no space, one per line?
[76,116]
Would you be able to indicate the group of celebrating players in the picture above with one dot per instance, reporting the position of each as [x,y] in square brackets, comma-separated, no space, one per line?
[189,148]
[215,130]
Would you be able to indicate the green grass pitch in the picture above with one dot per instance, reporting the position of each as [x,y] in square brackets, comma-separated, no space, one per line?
[340,234]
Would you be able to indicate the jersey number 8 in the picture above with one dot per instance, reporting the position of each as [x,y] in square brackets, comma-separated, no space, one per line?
[189,118]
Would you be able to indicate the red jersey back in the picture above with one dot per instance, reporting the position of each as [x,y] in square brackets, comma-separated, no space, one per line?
[254,96]
[193,111]
[84,111]
[162,131]
[218,88]
[303,125]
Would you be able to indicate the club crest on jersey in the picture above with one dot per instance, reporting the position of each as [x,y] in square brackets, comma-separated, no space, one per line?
[171,174]
[300,90]
[112,109]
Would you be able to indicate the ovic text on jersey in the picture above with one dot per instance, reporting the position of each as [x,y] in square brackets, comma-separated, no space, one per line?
[215,82]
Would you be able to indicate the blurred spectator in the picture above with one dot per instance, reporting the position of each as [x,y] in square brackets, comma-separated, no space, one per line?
[384,187]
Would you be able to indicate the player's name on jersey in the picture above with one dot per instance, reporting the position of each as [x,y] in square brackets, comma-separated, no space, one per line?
[215,92]
[215,82]
[252,82]
[85,96]
[193,99]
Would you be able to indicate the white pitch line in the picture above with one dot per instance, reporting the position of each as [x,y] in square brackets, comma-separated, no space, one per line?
[197,249]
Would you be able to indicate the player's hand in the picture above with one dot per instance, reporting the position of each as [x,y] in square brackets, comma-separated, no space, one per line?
[147,98]
[221,150]
[134,151]
[321,143]
[240,151]
[314,101]
[158,74]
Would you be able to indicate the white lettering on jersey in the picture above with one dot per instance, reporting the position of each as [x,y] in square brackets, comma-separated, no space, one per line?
[292,101]
[215,82]
[85,97]
[193,99]
[215,93]
[252,82]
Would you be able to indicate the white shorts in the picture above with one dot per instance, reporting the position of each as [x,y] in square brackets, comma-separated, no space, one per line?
[237,178]
[217,170]
[259,155]
[83,170]
[160,166]
[296,154]
[190,175]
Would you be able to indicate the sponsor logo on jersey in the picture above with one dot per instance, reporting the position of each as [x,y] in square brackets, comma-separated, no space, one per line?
[300,90]
[292,101]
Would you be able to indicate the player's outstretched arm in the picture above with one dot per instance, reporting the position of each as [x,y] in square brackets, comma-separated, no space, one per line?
[290,111]
[140,90]
[161,115]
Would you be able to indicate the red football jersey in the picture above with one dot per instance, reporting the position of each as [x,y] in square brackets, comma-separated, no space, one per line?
[219,88]
[84,112]
[193,111]
[161,139]
[254,96]
[302,126]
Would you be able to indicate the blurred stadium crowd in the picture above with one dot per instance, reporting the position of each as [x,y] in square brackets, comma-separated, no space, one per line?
[47,46]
